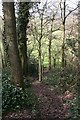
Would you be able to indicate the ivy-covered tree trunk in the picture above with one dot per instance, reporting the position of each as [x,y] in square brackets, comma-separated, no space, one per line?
[23,20]
[10,33]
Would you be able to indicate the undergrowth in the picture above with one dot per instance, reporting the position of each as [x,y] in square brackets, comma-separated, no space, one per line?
[62,80]
[14,98]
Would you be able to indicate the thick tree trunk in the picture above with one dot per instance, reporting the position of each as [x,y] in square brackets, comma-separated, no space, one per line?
[23,50]
[22,27]
[10,31]
[25,60]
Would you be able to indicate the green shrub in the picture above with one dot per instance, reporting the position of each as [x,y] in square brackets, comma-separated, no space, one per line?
[14,98]
[61,79]
[73,109]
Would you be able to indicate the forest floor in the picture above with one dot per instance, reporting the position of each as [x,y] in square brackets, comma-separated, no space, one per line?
[52,102]
[55,101]
[50,107]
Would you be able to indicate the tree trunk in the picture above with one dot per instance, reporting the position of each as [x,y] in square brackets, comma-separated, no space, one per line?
[22,27]
[50,54]
[40,62]
[50,43]
[6,62]
[63,42]
[10,31]
[54,62]
[23,51]
[40,52]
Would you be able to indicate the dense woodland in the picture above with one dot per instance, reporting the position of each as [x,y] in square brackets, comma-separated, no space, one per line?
[40,60]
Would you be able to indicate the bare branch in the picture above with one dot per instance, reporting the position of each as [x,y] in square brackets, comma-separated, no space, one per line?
[70,12]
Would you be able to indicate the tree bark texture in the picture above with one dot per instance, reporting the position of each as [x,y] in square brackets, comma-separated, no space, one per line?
[10,31]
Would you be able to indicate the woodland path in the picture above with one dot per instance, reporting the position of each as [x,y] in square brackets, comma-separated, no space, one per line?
[50,107]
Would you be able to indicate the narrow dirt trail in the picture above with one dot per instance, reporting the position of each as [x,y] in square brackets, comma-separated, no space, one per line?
[51,106]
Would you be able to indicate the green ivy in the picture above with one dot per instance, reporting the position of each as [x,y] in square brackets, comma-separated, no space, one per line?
[14,98]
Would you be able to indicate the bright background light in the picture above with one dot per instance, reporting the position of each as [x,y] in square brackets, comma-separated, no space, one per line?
[71,3]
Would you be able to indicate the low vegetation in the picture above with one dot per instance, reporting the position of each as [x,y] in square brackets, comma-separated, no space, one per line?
[15,98]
